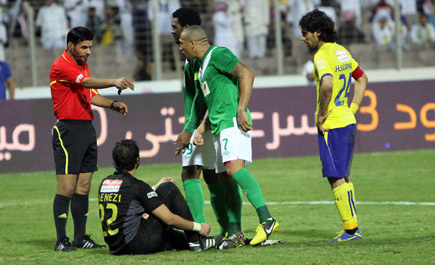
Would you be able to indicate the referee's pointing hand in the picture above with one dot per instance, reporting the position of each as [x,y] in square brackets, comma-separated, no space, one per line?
[124,83]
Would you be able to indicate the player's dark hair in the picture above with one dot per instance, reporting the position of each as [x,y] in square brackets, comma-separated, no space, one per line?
[318,20]
[79,34]
[125,155]
[187,16]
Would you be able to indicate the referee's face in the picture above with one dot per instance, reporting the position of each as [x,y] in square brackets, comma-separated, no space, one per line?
[81,51]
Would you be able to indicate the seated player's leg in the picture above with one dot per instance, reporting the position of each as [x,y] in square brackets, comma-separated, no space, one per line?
[174,200]
[336,151]
[236,152]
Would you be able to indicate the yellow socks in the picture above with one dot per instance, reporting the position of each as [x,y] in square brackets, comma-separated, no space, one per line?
[345,202]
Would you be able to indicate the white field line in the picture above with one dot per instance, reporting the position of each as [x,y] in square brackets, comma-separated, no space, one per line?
[399,203]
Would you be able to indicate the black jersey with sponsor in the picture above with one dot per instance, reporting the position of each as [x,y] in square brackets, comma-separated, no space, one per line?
[123,201]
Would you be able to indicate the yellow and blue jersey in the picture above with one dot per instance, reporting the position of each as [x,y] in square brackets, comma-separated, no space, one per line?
[334,60]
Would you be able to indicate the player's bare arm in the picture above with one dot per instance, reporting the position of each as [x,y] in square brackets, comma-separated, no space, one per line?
[104,102]
[246,82]
[324,99]
[100,83]
[360,88]
[163,213]
[205,125]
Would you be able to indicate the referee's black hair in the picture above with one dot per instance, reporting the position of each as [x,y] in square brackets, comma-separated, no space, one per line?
[318,20]
[125,155]
[79,34]
[187,16]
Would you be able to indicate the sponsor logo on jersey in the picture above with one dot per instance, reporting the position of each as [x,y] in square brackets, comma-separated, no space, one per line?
[151,194]
[342,56]
[205,89]
[79,78]
[111,185]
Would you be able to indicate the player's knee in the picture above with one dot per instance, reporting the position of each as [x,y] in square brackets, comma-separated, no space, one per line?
[230,171]
[210,176]
[83,188]
[191,172]
[166,189]
[168,186]
[66,191]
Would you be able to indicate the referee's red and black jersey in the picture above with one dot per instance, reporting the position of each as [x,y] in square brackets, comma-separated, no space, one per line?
[70,99]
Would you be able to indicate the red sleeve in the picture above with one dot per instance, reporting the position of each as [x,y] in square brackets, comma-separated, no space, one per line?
[357,73]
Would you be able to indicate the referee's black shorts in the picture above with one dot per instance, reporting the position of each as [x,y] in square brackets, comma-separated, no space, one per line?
[74,147]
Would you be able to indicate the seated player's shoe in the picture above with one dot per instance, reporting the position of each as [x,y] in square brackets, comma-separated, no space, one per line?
[87,243]
[64,245]
[264,231]
[205,243]
[344,236]
[235,241]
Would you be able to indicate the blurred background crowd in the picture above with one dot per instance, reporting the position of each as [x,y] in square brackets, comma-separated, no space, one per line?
[133,37]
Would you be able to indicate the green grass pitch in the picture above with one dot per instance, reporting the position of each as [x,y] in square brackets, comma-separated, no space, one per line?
[394,232]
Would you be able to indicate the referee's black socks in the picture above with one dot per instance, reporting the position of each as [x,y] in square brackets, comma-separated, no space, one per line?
[79,211]
[60,212]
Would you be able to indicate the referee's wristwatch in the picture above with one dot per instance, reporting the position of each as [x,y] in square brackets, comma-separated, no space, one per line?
[111,105]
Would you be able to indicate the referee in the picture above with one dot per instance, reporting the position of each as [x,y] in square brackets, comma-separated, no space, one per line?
[73,91]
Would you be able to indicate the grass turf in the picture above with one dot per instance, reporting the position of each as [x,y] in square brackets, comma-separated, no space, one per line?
[392,234]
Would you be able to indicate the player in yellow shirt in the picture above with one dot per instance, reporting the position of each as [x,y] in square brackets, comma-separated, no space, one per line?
[334,69]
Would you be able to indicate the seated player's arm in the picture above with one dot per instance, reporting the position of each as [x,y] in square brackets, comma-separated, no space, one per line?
[163,213]
[120,83]
[360,87]
[246,82]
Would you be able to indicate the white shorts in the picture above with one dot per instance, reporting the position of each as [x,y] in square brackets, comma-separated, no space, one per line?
[204,156]
[232,144]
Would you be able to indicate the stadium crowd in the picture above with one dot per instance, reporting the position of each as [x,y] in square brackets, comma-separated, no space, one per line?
[124,27]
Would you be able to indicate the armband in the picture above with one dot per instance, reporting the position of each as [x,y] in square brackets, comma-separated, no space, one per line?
[357,73]
[111,105]
[196,227]
[354,107]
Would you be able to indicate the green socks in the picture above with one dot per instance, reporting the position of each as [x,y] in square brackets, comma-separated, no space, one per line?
[234,201]
[195,199]
[218,203]
[252,190]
